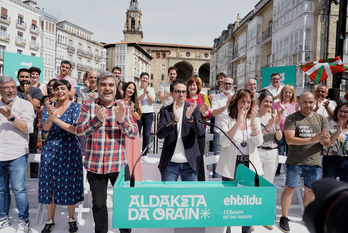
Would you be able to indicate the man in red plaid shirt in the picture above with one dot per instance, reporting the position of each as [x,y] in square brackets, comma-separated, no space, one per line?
[105,122]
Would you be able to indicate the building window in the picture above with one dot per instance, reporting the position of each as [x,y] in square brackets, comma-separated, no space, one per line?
[33,54]
[1,69]
[19,51]
[163,67]
[148,51]
[151,76]
[162,76]
[158,55]
[206,55]
[163,55]
[79,77]
[188,54]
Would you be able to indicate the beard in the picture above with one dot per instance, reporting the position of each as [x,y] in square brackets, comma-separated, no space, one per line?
[24,82]
[227,91]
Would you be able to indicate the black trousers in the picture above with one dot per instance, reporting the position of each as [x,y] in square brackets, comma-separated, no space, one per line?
[98,184]
[201,145]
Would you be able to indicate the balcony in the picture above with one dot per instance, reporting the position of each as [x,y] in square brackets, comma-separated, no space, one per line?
[72,64]
[266,34]
[34,45]
[34,29]
[4,36]
[84,67]
[2,55]
[98,70]
[21,24]
[5,19]
[71,48]
[20,41]
[85,53]
[97,57]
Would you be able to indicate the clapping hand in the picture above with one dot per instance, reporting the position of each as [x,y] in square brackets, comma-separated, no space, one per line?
[277,117]
[320,137]
[120,112]
[91,95]
[101,112]
[190,110]
[6,111]
[176,112]
[326,103]
[318,104]
[51,110]
[26,90]
[254,112]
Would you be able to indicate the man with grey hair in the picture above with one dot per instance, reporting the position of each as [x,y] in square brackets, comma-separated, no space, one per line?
[16,122]
[251,85]
[90,92]
[323,106]
[105,122]
[219,105]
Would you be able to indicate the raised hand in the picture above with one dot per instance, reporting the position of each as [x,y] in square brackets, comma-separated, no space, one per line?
[120,112]
[318,104]
[176,112]
[282,105]
[278,117]
[26,90]
[204,108]
[242,115]
[91,95]
[190,109]
[326,103]
[101,113]
[51,110]
[6,111]
[228,101]
[131,106]
[254,112]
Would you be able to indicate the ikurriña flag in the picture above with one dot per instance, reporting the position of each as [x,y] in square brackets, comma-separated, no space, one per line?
[320,70]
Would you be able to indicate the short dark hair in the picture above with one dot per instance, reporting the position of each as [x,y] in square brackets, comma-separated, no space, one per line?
[172,68]
[62,82]
[34,69]
[144,73]
[116,68]
[66,62]
[22,70]
[221,74]
[274,74]
[177,81]
[264,93]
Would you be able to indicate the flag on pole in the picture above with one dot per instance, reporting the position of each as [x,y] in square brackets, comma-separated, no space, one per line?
[320,70]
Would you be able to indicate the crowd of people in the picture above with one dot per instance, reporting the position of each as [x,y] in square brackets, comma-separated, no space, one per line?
[100,131]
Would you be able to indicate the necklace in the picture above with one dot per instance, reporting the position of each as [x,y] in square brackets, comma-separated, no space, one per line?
[244,143]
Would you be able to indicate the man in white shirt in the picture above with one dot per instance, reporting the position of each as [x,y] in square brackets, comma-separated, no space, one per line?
[180,154]
[323,106]
[219,105]
[164,90]
[16,122]
[275,87]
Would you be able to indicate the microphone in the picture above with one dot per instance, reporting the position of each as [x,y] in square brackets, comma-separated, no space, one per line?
[256,180]
[132,178]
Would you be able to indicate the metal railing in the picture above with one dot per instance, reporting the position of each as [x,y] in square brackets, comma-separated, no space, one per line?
[20,40]
[5,19]
[4,35]
[71,48]
[34,29]
[266,34]
[34,45]
[85,67]
[83,52]
[21,24]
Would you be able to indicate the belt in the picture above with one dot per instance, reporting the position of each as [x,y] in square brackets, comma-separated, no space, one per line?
[243,158]
[267,148]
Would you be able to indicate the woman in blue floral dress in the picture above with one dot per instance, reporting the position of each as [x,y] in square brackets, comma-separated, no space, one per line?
[61,174]
[335,160]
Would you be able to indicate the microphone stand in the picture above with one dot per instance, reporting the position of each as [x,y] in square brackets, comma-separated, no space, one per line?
[256,179]
[132,178]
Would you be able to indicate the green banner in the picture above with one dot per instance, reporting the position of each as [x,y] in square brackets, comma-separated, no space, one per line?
[194,204]
[13,62]
[287,75]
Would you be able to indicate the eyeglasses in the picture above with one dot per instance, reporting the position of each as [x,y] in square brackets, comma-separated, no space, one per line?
[275,79]
[8,88]
[179,92]
[342,112]
[230,84]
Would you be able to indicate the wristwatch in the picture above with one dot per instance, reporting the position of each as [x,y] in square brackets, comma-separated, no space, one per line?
[147,92]
[11,119]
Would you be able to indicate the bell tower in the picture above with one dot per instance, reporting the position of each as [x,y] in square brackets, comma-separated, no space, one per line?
[132,28]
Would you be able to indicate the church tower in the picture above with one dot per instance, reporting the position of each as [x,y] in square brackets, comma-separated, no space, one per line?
[132,28]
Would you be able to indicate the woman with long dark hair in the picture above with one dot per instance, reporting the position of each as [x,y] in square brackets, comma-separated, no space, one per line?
[133,149]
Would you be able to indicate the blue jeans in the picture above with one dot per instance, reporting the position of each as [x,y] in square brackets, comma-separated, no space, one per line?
[293,175]
[173,171]
[335,166]
[217,151]
[146,122]
[14,171]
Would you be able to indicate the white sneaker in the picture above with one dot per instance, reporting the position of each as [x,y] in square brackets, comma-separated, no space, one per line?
[23,226]
[5,223]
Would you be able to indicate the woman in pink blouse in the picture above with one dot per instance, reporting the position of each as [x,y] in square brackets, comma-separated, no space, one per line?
[194,95]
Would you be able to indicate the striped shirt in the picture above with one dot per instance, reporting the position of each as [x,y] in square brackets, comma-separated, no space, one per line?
[105,141]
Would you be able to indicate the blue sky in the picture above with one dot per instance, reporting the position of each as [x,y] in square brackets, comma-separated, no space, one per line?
[191,22]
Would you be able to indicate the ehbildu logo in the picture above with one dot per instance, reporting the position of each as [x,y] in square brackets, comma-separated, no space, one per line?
[243,200]
[167,207]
